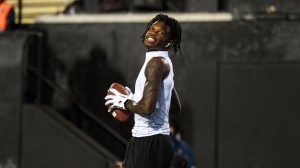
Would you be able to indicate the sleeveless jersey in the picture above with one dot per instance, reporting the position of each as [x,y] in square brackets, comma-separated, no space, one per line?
[158,121]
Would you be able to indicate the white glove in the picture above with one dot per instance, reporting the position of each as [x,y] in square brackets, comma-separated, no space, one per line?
[118,100]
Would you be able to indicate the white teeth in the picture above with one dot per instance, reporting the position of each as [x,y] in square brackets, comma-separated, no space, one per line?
[150,39]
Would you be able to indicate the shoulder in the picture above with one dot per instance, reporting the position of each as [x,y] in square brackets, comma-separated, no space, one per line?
[159,64]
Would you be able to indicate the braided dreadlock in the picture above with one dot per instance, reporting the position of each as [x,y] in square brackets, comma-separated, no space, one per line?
[175,29]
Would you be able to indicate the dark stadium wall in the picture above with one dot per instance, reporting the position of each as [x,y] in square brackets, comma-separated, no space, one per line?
[258,113]
[32,135]
[216,76]
[12,52]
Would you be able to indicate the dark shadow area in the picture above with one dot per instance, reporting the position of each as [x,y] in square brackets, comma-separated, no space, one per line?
[187,125]
[89,80]
[82,101]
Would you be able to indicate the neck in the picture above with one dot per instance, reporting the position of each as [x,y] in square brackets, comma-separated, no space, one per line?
[149,50]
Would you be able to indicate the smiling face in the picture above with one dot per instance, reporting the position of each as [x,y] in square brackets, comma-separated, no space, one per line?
[157,37]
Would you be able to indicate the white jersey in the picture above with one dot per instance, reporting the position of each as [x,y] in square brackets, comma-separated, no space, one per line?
[158,121]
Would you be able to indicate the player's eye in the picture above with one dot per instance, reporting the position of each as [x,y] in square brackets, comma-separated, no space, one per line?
[161,32]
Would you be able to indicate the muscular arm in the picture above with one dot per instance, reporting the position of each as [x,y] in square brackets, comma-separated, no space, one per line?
[156,70]
[175,107]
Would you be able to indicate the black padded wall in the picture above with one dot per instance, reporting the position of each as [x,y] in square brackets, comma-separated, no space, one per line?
[12,53]
[29,137]
[259,114]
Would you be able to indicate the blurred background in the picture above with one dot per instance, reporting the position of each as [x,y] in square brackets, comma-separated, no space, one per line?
[237,78]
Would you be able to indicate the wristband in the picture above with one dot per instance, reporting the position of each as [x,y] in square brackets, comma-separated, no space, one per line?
[126,102]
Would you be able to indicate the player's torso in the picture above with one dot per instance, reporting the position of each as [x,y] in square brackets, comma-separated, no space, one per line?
[157,122]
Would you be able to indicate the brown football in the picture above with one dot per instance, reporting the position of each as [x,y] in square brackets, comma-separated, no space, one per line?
[121,115]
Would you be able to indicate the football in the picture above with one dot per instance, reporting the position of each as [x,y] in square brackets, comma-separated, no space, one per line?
[121,115]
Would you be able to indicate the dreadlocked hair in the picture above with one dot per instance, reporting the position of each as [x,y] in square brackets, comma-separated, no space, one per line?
[175,30]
